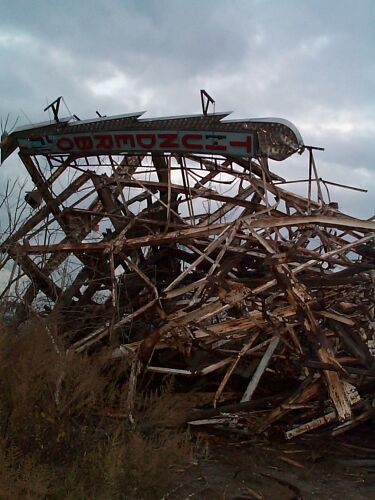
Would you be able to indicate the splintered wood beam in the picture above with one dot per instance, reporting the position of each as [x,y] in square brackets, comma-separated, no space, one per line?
[250,167]
[109,202]
[261,223]
[225,209]
[41,184]
[38,217]
[299,298]
[307,390]
[363,417]
[34,198]
[39,280]
[210,194]
[313,424]
[58,258]
[192,266]
[253,384]
[232,367]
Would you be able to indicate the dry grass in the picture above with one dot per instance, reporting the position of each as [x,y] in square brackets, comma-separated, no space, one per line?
[63,428]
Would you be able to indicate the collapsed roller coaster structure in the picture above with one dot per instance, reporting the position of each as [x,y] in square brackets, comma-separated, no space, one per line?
[171,237]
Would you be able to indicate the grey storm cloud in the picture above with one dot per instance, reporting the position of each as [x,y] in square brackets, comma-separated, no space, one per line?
[310,62]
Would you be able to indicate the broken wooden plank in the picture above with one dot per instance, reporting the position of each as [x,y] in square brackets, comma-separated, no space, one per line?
[253,384]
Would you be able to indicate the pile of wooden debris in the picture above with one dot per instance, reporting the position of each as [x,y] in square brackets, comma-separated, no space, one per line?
[202,266]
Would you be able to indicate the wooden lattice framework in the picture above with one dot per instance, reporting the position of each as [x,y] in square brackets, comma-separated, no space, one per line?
[199,252]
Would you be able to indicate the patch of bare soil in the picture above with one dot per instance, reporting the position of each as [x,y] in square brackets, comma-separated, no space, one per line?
[236,468]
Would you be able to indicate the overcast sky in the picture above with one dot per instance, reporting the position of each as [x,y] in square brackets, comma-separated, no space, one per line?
[312,62]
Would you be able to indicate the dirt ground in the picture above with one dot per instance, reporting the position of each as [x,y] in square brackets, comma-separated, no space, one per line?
[321,468]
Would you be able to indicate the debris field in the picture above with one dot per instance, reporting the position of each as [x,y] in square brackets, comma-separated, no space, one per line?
[193,258]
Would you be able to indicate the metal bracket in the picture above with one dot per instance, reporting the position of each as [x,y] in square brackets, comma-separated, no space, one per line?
[206,99]
[55,106]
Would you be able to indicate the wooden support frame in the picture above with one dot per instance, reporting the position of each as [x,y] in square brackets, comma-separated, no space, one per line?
[187,254]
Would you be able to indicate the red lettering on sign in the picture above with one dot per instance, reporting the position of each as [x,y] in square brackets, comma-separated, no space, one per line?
[124,139]
[65,144]
[83,142]
[248,144]
[168,141]
[146,141]
[191,137]
[104,141]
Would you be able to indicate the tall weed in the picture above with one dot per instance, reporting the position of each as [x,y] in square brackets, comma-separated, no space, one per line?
[64,429]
